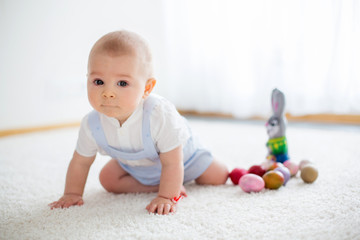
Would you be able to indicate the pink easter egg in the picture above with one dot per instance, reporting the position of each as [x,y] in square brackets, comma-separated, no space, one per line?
[303,163]
[293,167]
[266,165]
[251,183]
[236,174]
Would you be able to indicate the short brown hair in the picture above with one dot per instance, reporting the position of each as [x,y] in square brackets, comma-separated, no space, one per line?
[125,42]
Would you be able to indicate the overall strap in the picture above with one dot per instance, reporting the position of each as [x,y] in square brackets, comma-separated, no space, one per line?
[99,136]
[148,144]
[149,104]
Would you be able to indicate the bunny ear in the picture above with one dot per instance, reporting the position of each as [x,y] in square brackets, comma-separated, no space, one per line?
[277,102]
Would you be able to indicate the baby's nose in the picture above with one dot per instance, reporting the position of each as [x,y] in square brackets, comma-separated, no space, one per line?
[108,94]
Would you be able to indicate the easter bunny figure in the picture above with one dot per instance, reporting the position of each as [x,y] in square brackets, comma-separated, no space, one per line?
[276,126]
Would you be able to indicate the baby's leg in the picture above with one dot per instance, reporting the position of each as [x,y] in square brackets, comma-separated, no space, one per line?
[216,174]
[115,179]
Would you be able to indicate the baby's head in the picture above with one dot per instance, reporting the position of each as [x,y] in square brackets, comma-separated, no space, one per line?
[123,42]
[119,74]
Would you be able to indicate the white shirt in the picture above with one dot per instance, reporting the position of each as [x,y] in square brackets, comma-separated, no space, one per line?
[168,131]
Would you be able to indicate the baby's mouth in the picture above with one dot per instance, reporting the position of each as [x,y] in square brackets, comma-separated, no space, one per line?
[108,105]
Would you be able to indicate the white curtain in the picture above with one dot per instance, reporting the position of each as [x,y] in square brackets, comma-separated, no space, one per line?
[210,55]
[227,55]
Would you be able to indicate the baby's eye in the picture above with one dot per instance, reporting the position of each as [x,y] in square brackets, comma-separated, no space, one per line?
[122,83]
[98,82]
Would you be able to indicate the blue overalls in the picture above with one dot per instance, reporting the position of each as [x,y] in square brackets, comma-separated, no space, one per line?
[196,158]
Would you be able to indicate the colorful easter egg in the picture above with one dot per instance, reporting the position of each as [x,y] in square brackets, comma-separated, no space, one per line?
[257,169]
[236,174]
[273,179]
[303,163]
[309,173]
[271,158]
[266,165]
[251,183]
[286,173]
[275,165]
[293,167]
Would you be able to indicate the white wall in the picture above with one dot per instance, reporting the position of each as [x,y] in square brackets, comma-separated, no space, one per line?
[44,45]
[217,56]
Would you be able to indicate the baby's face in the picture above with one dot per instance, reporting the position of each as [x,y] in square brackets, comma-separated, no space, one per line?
[116,84]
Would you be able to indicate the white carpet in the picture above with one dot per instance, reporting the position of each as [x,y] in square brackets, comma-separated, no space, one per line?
[33,168]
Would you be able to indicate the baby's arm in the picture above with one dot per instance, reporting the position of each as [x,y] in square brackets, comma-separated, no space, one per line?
[171,180]
[75,182]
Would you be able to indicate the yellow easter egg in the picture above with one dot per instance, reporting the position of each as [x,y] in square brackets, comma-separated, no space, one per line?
[273,179]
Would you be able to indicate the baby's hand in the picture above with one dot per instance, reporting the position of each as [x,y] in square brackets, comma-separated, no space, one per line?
[161,206]
[67,200]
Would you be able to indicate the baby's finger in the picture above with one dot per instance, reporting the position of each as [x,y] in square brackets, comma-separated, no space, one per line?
[160,209]
[167,209]
[70,203]
[67,204]
[55,205]
[80,202]
[173,209]
[152,208]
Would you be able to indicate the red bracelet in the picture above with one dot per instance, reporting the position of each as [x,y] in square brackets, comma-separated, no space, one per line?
[176,199]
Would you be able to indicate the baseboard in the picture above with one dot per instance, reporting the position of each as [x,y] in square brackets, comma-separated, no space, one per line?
[9,132]
[326,118]
[318,118]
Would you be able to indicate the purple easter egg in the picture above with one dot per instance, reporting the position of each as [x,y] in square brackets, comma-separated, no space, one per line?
[251,183]
[286,172]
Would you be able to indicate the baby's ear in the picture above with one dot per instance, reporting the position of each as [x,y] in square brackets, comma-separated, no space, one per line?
[150,84]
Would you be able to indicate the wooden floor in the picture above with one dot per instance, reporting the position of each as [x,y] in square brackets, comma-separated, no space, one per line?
[318,118]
